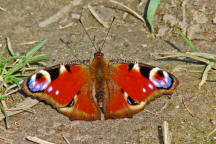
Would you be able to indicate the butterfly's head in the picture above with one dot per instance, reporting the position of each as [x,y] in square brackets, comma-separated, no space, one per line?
[98,53]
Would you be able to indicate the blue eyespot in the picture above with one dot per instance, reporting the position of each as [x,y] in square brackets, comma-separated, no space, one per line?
[164,83]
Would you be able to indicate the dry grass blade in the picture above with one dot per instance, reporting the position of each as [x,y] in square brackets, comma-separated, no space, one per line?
[120,6]
[205,73]
[28,43]
[26,104]
[9,46]
[211,133]
[63,11]
[98,18]
[2,9]
[4,104]
[17,109]
[166,135]
[66,26]
[37,140]
[206,55]
[165,56]
[1,79]
[6,140]
[2,129]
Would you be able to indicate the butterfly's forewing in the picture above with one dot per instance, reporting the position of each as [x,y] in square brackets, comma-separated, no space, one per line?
[68,88]
[132,86]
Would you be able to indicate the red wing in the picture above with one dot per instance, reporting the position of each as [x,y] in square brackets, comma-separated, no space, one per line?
[132,86]
[66,87]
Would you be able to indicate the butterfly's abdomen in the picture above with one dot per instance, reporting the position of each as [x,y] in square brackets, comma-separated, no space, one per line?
[99,74]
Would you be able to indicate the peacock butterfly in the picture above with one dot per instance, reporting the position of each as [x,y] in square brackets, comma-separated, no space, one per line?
[82,90]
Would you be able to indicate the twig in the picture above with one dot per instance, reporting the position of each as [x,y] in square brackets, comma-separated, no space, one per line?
[118,5]
[26,104]
[164,106]
[156,114]
[37,140]
[190,112]
[60,13]
[98,18]
[184,17]
[11,92]
[66,140]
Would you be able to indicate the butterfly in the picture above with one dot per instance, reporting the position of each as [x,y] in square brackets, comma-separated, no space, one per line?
[86,90]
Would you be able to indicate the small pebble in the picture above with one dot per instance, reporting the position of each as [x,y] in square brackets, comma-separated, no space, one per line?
[214,20]
[144,45]
[75,16]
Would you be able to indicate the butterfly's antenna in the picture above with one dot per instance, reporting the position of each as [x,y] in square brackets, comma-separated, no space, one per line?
[107,34]
[88,35]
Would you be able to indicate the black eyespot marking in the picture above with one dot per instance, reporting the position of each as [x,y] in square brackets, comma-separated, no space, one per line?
[131,101]
[145,71]
[71,103]
[68,68]
[160,72]
[130,66]
[54,73]
[78,93]
[38,76]
[122,91]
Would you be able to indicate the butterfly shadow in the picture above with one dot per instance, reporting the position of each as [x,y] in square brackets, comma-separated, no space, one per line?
[26,95]
[160,135]
[185,60]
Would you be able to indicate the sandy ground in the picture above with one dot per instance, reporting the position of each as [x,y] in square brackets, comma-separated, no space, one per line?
[128,39]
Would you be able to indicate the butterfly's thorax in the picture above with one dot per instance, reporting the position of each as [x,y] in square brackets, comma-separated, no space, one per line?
[99,74]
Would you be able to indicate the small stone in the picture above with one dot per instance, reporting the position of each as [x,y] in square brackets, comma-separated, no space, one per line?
[144,45]
[75,16]
[214,20]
